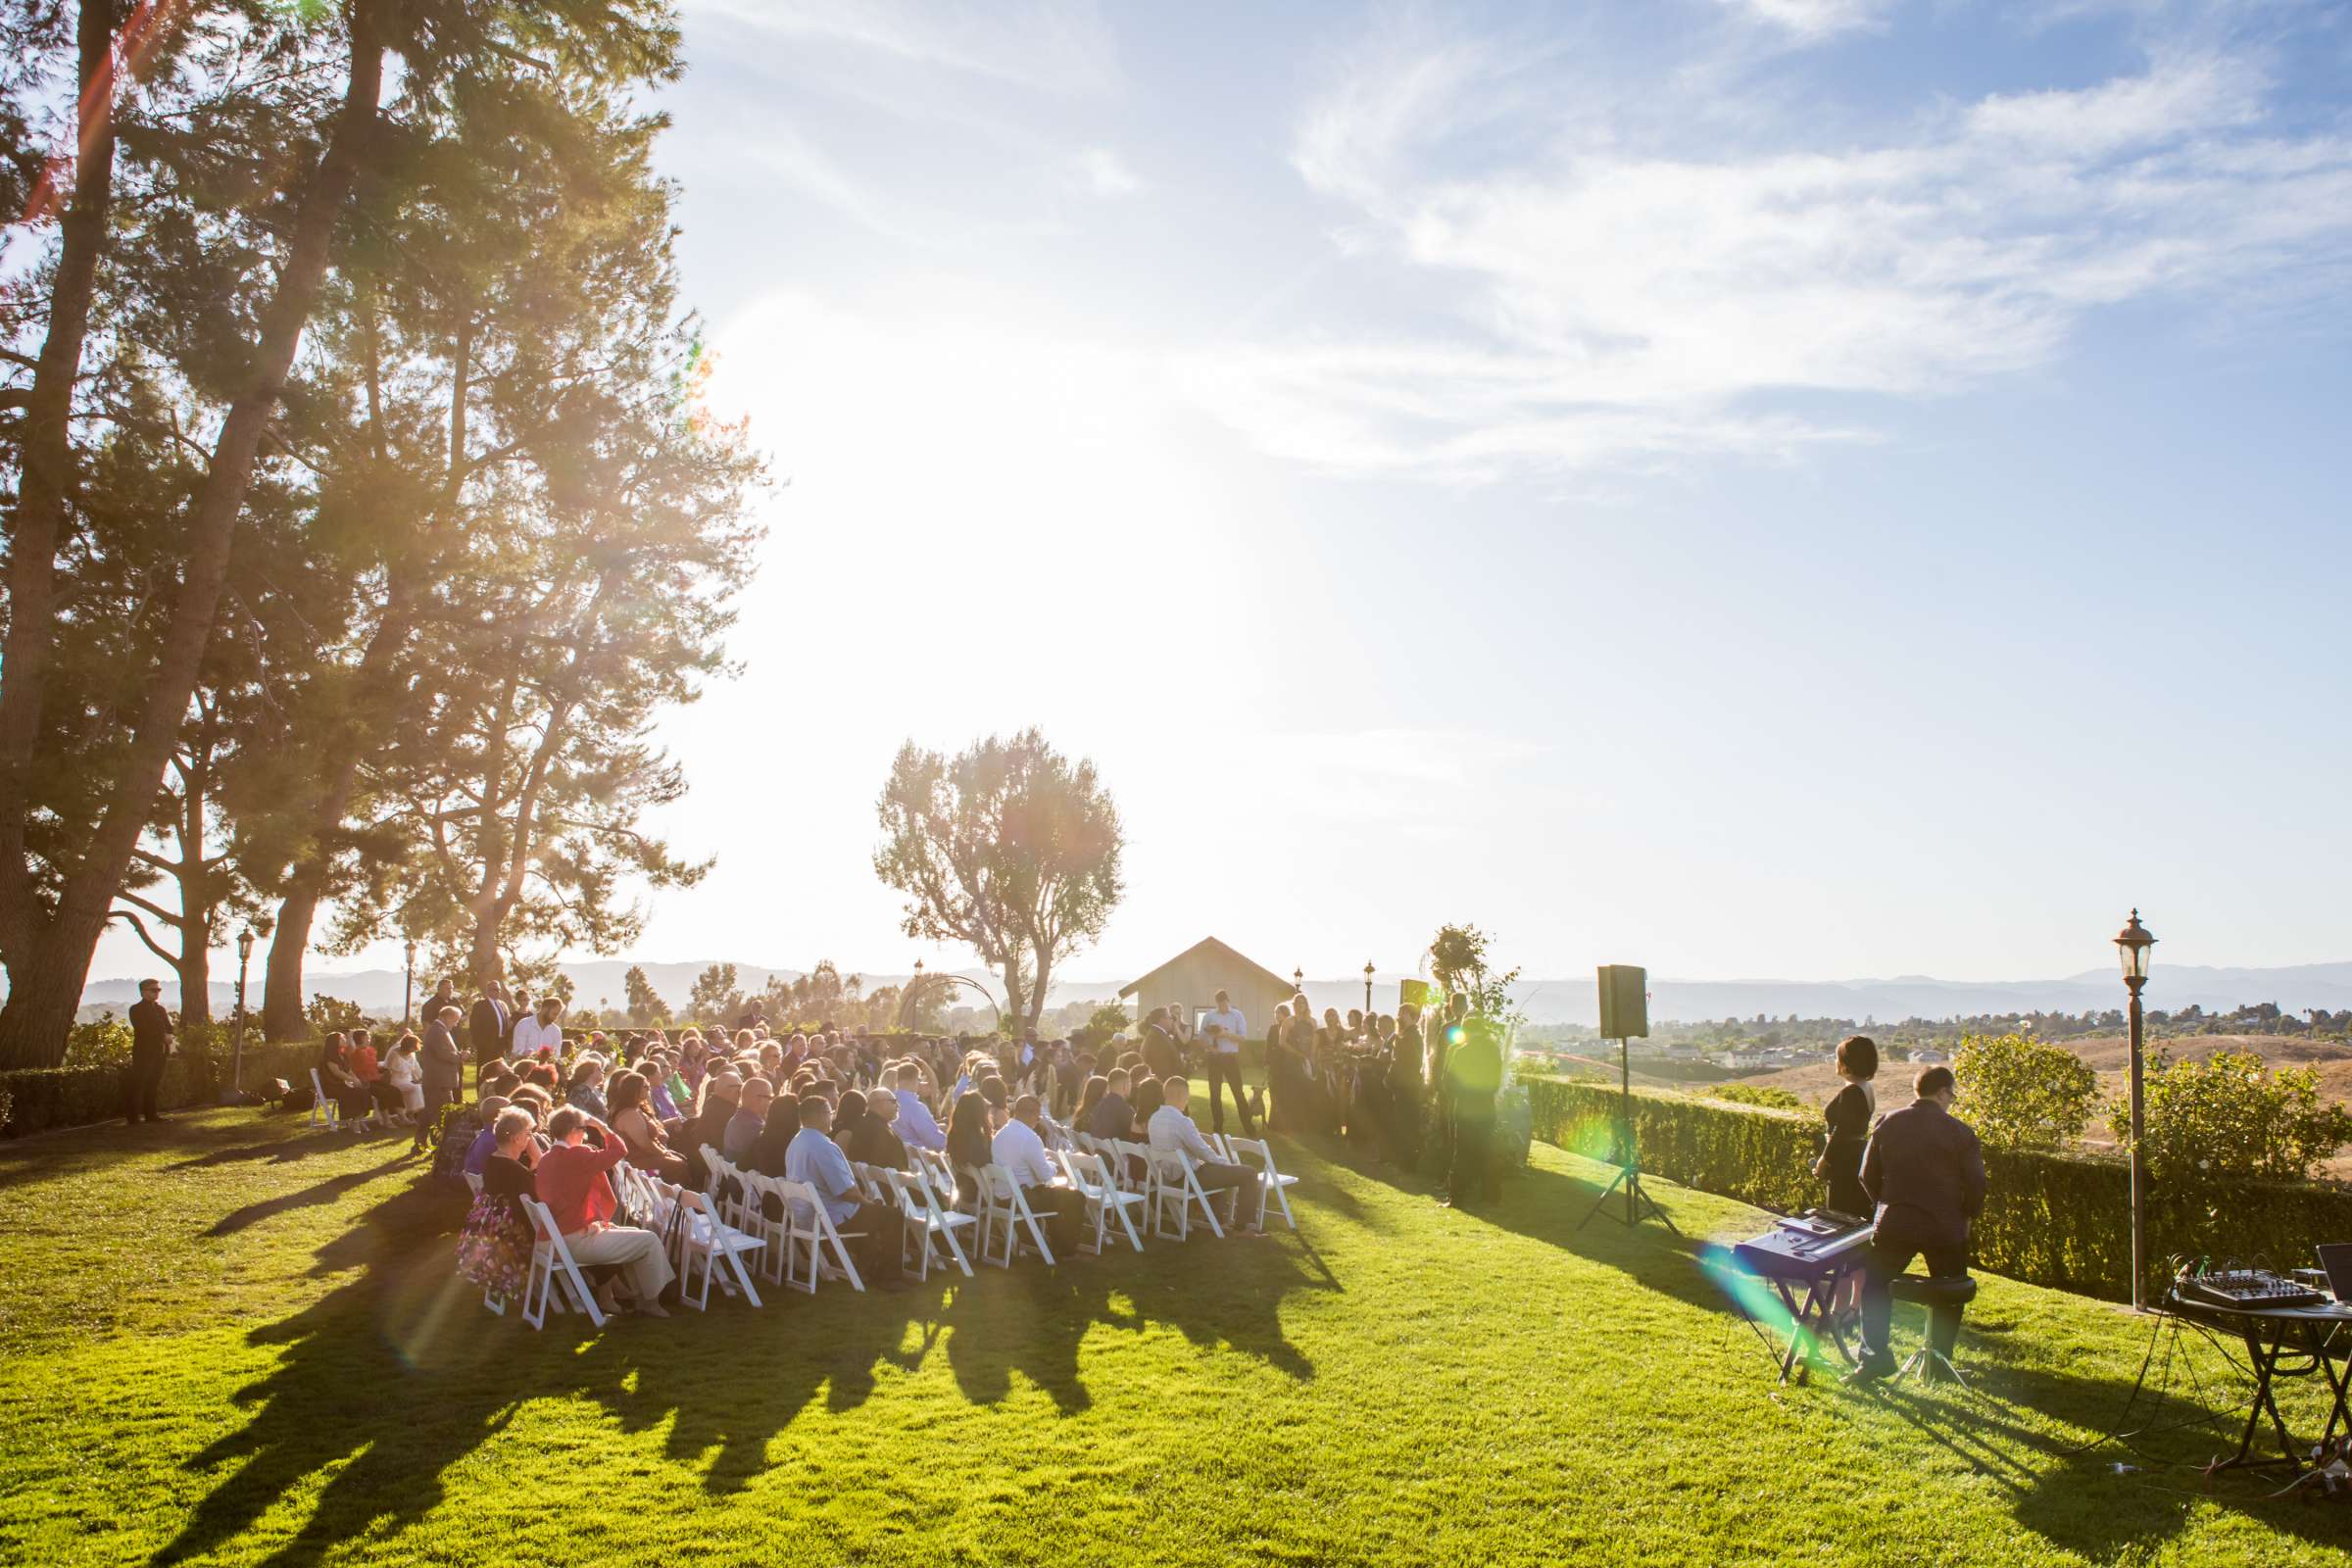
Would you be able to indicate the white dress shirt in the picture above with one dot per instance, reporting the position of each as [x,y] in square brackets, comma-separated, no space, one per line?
[1020,1151]
[530,1034]
[1171,1129]
[1231,1021]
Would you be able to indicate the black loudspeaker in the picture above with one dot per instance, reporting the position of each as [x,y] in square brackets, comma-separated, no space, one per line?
[1624,1002]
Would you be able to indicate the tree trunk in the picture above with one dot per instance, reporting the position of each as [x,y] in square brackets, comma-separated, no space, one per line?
[283,1018]
[34,1024]
[195,968]
[1041,984]
[37,521]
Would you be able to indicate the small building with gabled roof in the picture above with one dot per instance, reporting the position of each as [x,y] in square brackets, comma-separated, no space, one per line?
[1188,983]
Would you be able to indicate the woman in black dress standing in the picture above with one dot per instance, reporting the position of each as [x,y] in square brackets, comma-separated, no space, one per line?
[1848,1117]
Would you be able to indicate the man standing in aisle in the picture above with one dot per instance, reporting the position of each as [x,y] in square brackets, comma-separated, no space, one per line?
[150,1050]
[444,1068]
[1223,1029]
[486,1027]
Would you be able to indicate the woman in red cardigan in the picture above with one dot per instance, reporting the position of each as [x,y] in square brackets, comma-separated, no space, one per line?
[571,1182]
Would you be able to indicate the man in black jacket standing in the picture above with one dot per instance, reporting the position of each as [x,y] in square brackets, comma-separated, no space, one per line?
[486,1027]
[150,1050]
[1926,1172]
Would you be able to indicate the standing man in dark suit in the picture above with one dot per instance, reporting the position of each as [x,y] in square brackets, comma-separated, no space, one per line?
[486,1027]
[1474,1074]
[443,1068]
[1926,1172]
[150,1049]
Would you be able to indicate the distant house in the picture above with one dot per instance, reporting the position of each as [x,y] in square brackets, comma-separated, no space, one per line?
[1190,982]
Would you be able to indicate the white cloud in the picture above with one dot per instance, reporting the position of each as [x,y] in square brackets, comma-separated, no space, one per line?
[1814,19]
[1105,173]
[1605,292]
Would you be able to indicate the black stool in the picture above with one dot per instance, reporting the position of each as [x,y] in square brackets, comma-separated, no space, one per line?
[1944,1297]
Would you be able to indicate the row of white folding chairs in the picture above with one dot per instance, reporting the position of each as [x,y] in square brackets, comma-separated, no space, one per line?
[327,1111]
[799,1230]
[1172,1186]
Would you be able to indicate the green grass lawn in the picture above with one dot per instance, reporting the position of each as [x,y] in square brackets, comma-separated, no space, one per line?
[228,1339]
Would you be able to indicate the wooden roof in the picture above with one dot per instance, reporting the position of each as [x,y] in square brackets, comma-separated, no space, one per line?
[1218,948]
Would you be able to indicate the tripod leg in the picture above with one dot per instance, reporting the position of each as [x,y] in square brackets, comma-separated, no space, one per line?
[1602,1200]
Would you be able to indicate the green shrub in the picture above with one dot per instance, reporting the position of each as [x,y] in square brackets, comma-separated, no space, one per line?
[1765,1095]
[2049,1218]
[2022,1093]
[103,1041]
[41,1097]
[2231,1116]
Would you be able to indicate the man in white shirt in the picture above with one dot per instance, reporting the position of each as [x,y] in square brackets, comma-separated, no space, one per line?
[1020,1150]
[1171,1131]
[1223,1028]
[541,1029]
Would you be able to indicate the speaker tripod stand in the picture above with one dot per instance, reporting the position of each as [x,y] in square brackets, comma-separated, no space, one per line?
[1637,1201]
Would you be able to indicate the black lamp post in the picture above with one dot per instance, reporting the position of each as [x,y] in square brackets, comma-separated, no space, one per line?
[1299,981]
[1367,988]
[407,988]
[237,1052]
[2133,943]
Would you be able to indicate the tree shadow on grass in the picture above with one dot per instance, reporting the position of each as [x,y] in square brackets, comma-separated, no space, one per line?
[1220,1294]
[381,1376]
[311,1196]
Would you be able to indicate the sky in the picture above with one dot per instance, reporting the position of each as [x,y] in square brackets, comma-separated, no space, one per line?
[1800,488]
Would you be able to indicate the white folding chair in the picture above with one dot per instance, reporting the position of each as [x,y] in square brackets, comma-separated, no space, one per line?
[324,1112]
[1004,1208]
[760,1194]
[929,1225]
[706,1239]
[1132,1167]
[475,1181]
[1259,1155]
[551,1263]
[812,1227]
[1105,1198]
[1176,1189]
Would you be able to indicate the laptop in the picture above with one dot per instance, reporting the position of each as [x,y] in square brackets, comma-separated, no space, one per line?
[2335,1257]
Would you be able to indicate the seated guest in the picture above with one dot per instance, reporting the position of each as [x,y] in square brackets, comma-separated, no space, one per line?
[351,1099]
[1926,1173]
[997,1098]
[970,1144]
[1112,1115]
[715,1108]
[817,1159]
[1022,1151]
[916,1125]
[485,1142]
[876,1142]
[1150,1095]
[1172,1131]
[1090,1095]
[507,1172]
[743,1128]
[633,1118]
[571,1182]
[776,1133]
[848,1112]
[586,1088]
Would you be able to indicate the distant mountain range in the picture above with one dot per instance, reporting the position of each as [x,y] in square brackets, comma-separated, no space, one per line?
[2294,988]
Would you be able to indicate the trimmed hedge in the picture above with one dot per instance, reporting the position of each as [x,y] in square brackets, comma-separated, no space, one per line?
[36,1099]
[2049,1219]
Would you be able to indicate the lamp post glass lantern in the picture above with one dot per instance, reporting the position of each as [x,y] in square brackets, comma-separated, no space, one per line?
[1299,980]
[407,987]
[236,1051]
[2132,944]
[1367,988]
